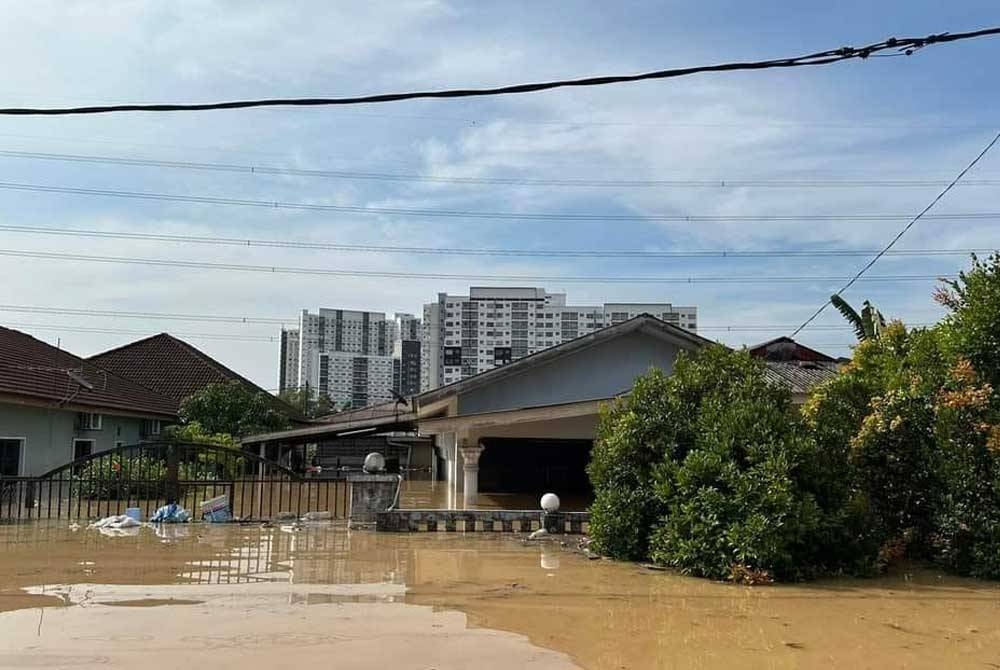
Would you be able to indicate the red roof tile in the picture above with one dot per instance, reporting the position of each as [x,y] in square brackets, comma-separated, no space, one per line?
[36,370]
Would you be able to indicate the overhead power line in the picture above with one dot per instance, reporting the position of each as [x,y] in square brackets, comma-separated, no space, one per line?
[493,181]
[901,46]
[459,251]
[277,269]
[127,331]
[117,313]
[899,235]
[466,214]
[214,318]
[270,320]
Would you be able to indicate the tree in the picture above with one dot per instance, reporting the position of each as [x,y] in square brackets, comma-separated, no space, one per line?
[973,324]
[868,325]
[234,409]
[308,404]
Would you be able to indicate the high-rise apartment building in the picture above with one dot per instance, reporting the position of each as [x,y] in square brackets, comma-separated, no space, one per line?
[468,334]
[348,356]
[406,355]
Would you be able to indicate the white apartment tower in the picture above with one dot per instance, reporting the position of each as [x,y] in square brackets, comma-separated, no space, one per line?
[468,334]
[346,355]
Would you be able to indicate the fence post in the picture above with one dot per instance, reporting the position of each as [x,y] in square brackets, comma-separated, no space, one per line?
[29,496]
[171,486]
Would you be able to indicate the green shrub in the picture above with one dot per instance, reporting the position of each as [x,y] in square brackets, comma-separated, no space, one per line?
[704,470]
[632,436]
[736,502]
[115,477]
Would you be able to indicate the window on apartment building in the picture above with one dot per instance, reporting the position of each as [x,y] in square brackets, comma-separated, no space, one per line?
[10,456]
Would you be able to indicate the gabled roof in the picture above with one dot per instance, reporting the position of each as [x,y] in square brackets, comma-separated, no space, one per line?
[173,368]
[34,371]
[787,349]
[644,323]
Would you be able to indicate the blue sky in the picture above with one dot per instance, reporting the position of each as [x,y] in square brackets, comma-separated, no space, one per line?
[922,117]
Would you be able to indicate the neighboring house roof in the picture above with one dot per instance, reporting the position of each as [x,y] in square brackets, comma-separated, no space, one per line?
[643,323]
[36,372]
[787,349]
[799,377]
[173,368]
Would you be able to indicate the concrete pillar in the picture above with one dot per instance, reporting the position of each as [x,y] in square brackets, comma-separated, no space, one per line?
[470,469]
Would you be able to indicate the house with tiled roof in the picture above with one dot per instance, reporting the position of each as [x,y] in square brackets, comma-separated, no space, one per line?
[174,368]
[55,407]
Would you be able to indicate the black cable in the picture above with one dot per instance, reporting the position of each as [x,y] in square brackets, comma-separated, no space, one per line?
[275,269]
[494,181]
[126,331]
[900,234]
[246,320]
[462,214]
[905,45]
[454,251]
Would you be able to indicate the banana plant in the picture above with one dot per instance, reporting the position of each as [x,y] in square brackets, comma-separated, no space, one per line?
[868,325]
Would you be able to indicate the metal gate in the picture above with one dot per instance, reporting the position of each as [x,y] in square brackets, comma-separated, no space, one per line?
[149,475]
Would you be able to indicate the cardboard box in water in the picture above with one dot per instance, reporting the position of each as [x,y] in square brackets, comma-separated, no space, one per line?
[216,510]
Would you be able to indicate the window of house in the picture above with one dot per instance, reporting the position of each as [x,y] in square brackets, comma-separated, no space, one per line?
[10,456]
[91,421]
[82,448]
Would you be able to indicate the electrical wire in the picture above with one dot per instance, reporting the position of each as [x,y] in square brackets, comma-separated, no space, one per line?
[493,181]
[247,320]
[902,46]
[276,269]
[465,214]
[127,331]
[900,234]
[456,251]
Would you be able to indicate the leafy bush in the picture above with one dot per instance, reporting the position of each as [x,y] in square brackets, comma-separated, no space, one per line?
[710,471]
[703,470]
[632,436]
[115,477]
[737,502]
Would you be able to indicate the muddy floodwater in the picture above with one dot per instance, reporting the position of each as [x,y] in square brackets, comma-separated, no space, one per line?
[202,596]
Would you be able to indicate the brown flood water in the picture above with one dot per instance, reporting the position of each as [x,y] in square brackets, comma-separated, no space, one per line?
[251,597]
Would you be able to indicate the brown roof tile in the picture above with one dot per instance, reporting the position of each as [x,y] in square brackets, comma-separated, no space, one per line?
[799,377]
[36,370]
[173,368]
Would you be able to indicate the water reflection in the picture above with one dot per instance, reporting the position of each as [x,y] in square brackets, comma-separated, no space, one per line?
[606,614]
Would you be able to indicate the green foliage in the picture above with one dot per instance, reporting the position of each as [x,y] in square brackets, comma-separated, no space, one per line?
[143,476]
[115,477]
[705,470]
[737,502]
[195,433]
[867,325]
[233,409]
[973,326]
[709,470]
[309,404]
[632,436]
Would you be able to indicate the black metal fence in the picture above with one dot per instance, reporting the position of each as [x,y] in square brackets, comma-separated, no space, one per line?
[149,475]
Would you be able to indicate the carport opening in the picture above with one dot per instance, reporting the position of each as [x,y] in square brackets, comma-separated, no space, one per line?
[535,466]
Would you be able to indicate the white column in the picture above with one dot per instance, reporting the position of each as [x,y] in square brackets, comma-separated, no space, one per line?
[470,469]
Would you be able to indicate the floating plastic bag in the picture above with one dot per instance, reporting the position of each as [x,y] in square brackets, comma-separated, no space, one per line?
[116,521]
[172,513]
